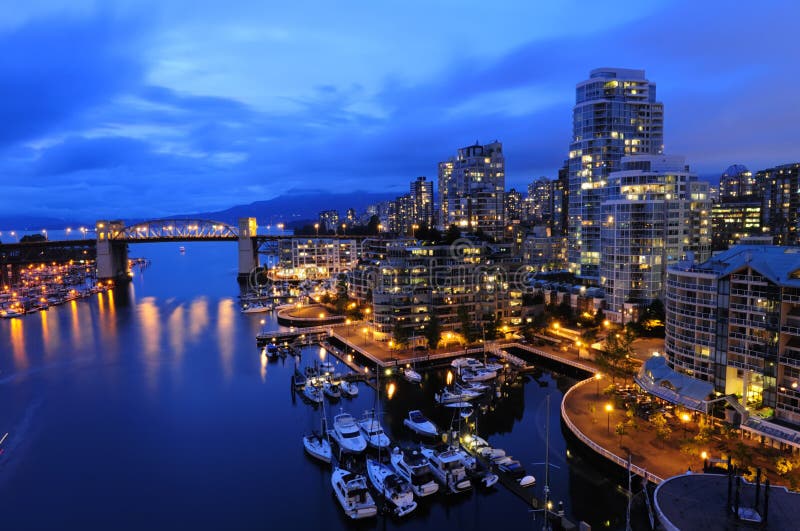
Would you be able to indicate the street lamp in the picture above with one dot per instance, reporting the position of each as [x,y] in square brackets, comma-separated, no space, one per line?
[597,378]
[365,330]
[609,409]
[685,420]
[316,228]
[414,228]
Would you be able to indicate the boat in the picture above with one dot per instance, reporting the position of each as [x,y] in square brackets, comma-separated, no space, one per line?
[256,308]
[396,490]
[458,405]
[317,444]
[410,375]
[182,249]
[349,389]
[466,363]
[477,375]
[415,468]
[417,422]
[448,467]
[298,379]
[466,391]
[312,392]
[347,434]
[513,468]
[476,387]
[373,431]
[445,396]
[272,350]
[326,366]
[331,389]
[351,491]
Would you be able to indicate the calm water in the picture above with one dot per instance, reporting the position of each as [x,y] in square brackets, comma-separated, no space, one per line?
[150,407]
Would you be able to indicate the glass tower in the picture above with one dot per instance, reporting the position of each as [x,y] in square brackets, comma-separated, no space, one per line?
[615,114]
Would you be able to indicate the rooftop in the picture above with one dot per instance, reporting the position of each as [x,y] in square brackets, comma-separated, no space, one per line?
[780,264]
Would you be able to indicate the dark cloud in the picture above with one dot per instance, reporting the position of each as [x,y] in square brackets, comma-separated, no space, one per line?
[78,88]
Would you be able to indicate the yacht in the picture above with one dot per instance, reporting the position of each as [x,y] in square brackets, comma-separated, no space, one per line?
[272,350]
[467,390]
[515,470]
[256,308]
[447,466]
[373,431]
[348,388]
[418,423]
[312,392]
[445,396]
[351,491]
[477,375]
[331,389]
[476,387]
[411,375]
[392,487]
[473,364]
[415,468]
[347,434]
[317,446]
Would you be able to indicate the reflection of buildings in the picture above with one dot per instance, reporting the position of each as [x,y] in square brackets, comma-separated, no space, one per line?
[734,321]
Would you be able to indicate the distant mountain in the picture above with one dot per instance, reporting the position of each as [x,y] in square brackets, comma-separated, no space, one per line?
[291,208]
[29,223]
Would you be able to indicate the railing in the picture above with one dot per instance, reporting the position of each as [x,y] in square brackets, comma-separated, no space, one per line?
[554,357]
[639,471]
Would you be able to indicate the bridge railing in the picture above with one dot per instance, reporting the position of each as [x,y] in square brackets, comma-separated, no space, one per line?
[179,229]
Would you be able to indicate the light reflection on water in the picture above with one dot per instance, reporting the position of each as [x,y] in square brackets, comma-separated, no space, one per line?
[18,345]
[225,336]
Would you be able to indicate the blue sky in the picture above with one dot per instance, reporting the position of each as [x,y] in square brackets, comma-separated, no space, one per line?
[137,108]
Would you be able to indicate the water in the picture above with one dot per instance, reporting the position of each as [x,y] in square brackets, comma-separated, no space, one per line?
[149,407]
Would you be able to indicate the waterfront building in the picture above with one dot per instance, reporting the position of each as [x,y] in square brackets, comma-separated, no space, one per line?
[659,214]
[543,250]
[405,283]
[411,211]
[329,221]
[731,222]
[780,202]
[734,321]
[472,189]
[400,215]
[314,258]
[616,114]
[737,184]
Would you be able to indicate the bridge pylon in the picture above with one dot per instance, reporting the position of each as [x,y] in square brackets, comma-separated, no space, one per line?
[112,254]
[248,258]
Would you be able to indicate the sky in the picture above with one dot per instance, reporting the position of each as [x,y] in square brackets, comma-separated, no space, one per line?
[145,109]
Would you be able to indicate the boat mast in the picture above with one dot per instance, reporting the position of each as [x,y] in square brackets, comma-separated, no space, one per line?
[547,463]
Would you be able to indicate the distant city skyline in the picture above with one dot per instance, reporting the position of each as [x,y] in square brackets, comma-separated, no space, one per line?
[144,109]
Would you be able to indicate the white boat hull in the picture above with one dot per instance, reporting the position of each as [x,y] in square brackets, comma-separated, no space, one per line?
[318,447]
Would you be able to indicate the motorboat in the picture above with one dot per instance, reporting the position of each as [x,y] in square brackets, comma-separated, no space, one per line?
[411,375]
[475,387]
[395,489]
[415,468]
[331,389]
[372,430]
[479,445]
[326,366]
[272,350]
[182,249]
[354,497]
[256,308]
[477,375]
[513,468]
[466,391]
[445,396]
[347,434]
[349,389]
[447,466]
[417,422]
[466,363]
[312,392]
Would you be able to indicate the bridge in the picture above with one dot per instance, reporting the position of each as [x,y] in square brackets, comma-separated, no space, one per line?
[110,248]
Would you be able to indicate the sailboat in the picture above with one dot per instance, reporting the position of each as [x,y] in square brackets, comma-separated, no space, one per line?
[317,444]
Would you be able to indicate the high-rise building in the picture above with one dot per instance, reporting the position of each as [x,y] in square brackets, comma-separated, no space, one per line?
[472,189]
[730,222]
[560,221]
[737,184]
[540,200]
[329,220]
[514,205]
[780,202]
[351,218]
[657,216]
[422,198]
[616,114]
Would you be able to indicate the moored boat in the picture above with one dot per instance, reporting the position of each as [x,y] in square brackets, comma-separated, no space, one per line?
[415,468]
[418,423]
[349,389]
[397,491]
[448,467]
[372,430]
[347,434]
[354,497]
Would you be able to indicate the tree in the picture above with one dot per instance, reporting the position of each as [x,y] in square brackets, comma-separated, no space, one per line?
[615,358]
[467,329]
[451,235]
[663,431]
[433,331]
[619,429]
[400,333]
[342,298]
[372,226]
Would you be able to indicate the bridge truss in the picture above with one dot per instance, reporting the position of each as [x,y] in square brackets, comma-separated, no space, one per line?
[177,230]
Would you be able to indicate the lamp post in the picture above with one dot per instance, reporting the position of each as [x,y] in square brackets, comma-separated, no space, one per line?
[609,409]
[684,420]
[316,228]
[597,378]
[365,330]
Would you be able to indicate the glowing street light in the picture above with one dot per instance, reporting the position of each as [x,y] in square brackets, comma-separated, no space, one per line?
[597,378]
[609,409]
